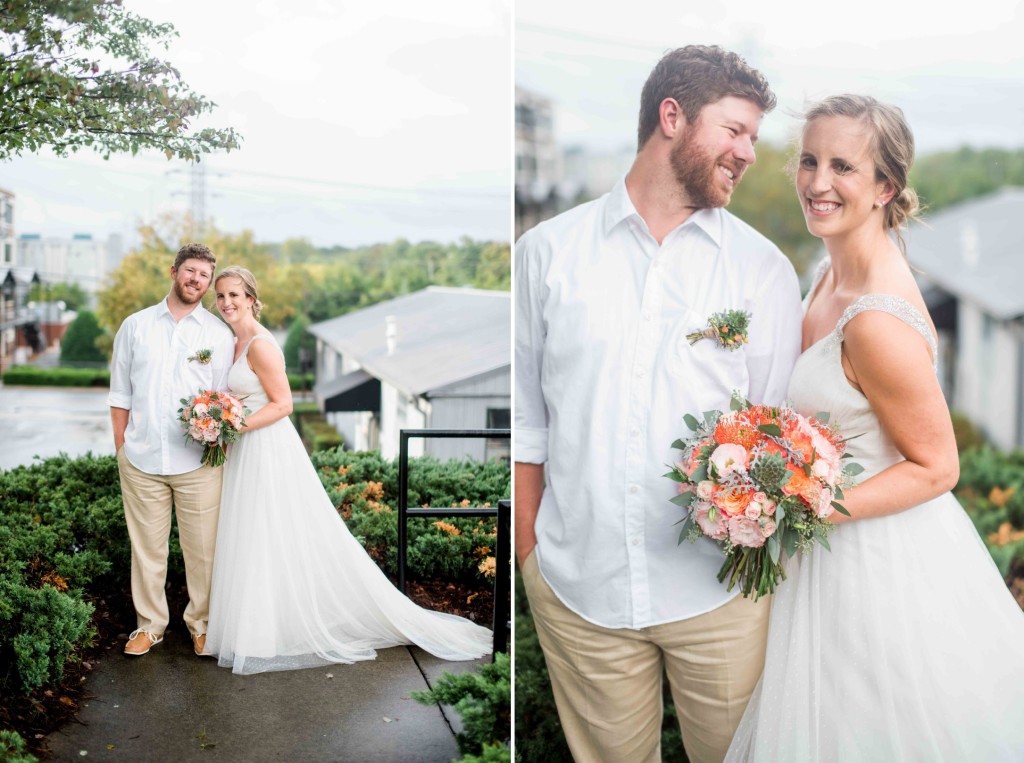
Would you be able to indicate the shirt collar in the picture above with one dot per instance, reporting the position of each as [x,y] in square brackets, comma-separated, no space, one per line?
[198,314]
[619,207]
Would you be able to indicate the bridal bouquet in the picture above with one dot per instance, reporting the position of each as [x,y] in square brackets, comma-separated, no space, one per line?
[213,419]
[760,480]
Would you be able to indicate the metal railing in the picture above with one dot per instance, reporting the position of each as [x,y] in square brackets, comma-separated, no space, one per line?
[503,512]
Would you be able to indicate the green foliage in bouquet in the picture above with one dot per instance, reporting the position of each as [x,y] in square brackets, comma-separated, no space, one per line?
[483,700]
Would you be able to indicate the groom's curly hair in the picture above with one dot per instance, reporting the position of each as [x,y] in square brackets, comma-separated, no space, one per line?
[195,252]
[695,76]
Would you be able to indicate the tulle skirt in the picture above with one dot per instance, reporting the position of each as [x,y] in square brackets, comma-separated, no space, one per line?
[902,644]
[292,588]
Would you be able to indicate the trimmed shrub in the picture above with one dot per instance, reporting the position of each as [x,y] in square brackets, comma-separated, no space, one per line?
[57,377]
[79,342]
[483,701]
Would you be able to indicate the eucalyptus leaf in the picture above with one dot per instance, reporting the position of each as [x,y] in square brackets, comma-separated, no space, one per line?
[840,508]
[674,476]
[679,444]
[822,416]
[683,499]
[774,549]
[700,474]
[853,469]
[711,417]
[691,422]
[824,543]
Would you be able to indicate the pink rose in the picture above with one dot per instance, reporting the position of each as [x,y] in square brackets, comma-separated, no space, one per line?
[729,458]
[753,510]
[768,507]
[714,528]
[827,463]
[746,532]
[760,497]
[768,528]
[824,507]
[705,489]
[199,409]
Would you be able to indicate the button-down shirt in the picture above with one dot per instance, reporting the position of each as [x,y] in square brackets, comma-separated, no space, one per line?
[151,372]
[604,375]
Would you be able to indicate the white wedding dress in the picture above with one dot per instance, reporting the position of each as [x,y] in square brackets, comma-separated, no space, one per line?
[903,644]
[291,587]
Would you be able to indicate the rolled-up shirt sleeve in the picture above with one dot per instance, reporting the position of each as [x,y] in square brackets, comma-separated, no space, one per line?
[120,395]
[531,416]
[775,334]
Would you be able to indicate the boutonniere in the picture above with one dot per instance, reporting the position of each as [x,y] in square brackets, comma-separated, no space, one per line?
[728,328]
[202,356]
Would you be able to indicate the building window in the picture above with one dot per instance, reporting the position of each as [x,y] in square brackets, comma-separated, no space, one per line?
[498,449]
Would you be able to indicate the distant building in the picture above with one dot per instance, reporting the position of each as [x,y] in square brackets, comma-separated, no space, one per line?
[594,172]
[81,259]
[541,191]
[439,358]
[8,244]
[20,334]
[969,256]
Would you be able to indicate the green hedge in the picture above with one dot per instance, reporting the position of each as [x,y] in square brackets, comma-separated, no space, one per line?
[57,377]
[63,540]
[100,377]
[991,489]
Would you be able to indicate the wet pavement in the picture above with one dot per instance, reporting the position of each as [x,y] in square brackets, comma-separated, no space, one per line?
[45,421]
[170,705]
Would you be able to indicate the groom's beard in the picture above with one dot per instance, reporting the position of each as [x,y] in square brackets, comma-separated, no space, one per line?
[184,296]
[698,174]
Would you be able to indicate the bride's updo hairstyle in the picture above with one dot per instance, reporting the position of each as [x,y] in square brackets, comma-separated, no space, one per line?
[892,147]
[248,284]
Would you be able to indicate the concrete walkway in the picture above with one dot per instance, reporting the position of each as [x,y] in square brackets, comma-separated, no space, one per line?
[170,705]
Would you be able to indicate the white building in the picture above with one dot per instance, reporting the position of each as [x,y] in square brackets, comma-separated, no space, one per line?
[8,244]
[969,256]
[440,358]
[81,259]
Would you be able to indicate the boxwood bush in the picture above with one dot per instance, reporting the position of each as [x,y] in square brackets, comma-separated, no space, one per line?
[63,542]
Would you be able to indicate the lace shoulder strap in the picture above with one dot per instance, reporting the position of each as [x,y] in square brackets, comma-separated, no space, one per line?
[897,306]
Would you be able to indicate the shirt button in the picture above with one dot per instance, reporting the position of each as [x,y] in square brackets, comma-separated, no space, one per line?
[636,541]
[633,489]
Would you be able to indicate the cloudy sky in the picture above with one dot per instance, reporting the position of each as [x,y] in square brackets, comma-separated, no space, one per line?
[362,123]
[958,74]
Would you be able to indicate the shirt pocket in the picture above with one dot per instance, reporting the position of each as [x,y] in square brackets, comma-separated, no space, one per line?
[712,371]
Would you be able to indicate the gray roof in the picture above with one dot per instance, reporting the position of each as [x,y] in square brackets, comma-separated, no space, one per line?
[974,251]
[443,336]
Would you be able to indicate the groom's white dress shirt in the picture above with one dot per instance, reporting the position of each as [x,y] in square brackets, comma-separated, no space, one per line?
[150,373]
[604,374]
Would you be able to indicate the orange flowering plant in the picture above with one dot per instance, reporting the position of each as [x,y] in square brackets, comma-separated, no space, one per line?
[213,419]
[760,480]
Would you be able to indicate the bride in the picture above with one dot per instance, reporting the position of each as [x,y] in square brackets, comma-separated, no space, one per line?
[903,643]
[291,587]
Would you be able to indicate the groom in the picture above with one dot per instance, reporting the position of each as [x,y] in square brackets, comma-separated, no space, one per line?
[605,296]
[162,354]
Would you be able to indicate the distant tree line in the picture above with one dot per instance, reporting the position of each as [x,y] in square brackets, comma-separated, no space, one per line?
[298,281]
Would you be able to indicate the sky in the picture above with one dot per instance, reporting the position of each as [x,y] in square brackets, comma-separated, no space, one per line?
[958,74]
[362,123]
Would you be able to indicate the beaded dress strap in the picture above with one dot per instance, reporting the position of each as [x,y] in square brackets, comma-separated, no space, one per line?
[893,305]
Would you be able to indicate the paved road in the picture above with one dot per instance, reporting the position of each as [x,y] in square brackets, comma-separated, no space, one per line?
[45,421]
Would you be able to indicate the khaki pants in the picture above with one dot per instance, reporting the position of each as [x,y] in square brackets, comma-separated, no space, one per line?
[147,501]
[608,682]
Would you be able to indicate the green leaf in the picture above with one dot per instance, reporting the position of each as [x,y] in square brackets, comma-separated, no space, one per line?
[772,430]
[790,539]
[683,499]
[853,469]
[840,508]
[838,493]
[679,445]
[774,548]
[824,542]
[710,417]
[674,476]
[685,530]
[700,474]
[736,404]
[822,416]
[691,422]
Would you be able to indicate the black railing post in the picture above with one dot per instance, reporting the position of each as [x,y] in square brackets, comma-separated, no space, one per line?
[503,577]
[503,512]
[403,503]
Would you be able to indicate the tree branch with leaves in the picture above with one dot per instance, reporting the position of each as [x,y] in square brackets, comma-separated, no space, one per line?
[79,73]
